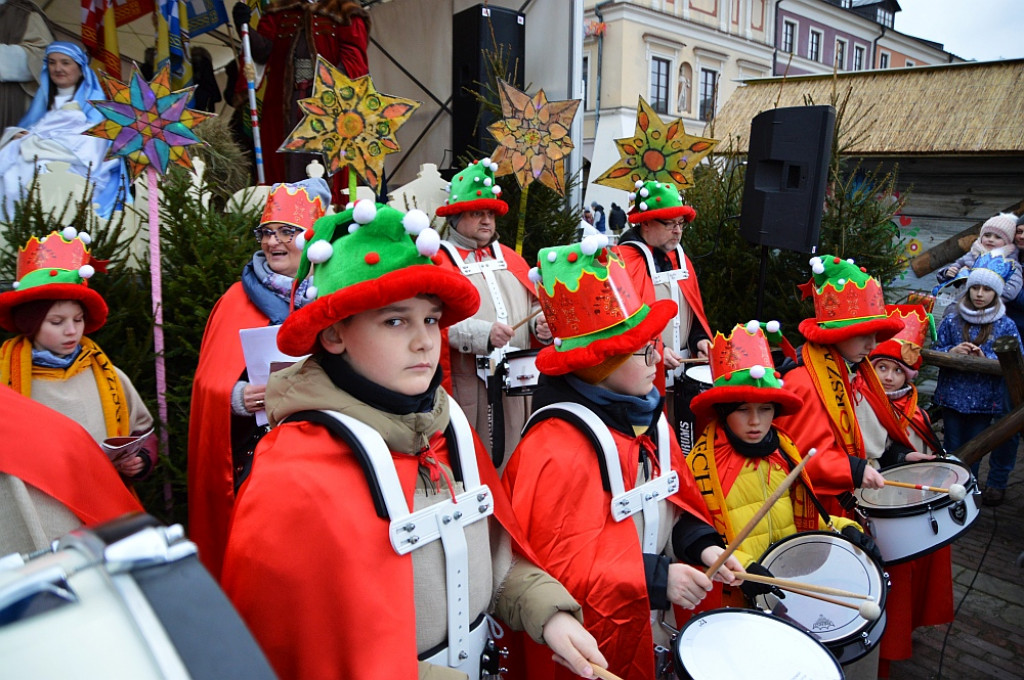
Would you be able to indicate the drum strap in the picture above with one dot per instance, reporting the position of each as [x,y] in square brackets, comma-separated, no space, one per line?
[487,269]
[670,276]
[642,498]
[445,521]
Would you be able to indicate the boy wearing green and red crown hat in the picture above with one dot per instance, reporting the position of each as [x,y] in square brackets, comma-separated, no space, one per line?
[372,477]
[598,482]
[742,456]
[53,361]
[507,297]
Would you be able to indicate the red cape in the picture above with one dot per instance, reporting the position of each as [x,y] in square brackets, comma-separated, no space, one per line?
[309,564]
[51,452]
[343,46]
[211,485]
[560,503]
[636,265]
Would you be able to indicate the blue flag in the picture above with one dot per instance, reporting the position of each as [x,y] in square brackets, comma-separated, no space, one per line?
[205,15]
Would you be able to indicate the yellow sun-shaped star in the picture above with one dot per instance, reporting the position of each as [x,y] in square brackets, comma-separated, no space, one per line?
[349,123]
[533,137]
[657,151]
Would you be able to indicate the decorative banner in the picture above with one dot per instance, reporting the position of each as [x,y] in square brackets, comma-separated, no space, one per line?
[533,137]
[349,123]
[656,152]
[205,15]
[147,124]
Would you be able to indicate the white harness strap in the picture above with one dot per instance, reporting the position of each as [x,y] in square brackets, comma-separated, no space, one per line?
[671,276]
[445,520]
[642,498]
[487,269]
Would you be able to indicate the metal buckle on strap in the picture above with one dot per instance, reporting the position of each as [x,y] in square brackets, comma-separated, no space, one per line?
[423,526]
[631,502]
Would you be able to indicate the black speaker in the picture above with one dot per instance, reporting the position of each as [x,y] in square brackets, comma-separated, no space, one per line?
[474,30]
[787,170]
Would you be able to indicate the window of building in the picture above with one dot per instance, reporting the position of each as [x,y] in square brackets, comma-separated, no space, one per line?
[814,46]
[883,60]
[788,36]
[586,82]
[840,56]
[858,57]
[884,17]
[910,63]
[659,84]
[708,93]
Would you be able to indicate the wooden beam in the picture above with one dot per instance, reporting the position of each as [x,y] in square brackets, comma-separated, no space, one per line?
[1011,362]
[994,435]
[945,252]
[962,362]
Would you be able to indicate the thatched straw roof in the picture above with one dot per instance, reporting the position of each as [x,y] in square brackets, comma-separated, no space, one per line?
[975,107]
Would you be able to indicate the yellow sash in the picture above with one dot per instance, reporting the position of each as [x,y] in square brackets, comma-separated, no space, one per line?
[17,371]
[832,382]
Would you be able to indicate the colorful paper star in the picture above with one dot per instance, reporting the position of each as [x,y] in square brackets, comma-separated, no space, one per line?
[147,124]
[533,137]
[349,123]
[656,151]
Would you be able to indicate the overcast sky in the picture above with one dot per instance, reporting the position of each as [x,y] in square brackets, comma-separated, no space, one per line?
[972,29]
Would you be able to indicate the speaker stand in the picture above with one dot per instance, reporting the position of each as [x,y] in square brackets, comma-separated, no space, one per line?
[762,274]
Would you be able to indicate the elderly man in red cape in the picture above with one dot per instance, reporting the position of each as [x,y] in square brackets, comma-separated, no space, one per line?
[53,477]
[598,482]
[849,419]
[507,298]
[373,539]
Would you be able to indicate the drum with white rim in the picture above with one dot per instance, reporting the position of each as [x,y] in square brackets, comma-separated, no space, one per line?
[745,643]
[828,559]
[520,371]
[696,378]
[907,523]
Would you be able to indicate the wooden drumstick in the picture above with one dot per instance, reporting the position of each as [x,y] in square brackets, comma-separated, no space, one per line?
[867,610]
[956,491]
[604,673]
[528,317]
[694,360]
[759,515]
[801,586]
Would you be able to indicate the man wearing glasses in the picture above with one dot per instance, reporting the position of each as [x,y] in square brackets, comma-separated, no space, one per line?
[660,270]
[508,304]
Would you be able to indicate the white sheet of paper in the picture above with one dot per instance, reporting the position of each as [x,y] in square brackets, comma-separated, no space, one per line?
[259,347]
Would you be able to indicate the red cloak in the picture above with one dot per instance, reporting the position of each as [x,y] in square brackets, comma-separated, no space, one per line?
[53,453]
[559,501]
[309,564]
[211,482]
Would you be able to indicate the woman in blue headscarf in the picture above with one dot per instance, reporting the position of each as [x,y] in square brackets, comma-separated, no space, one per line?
[52,131]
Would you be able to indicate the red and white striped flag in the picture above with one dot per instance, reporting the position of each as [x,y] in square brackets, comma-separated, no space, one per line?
[99,34]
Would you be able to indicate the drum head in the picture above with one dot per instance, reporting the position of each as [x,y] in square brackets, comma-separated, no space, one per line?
[743,643]
[700,373]
[940,473]
[824,559]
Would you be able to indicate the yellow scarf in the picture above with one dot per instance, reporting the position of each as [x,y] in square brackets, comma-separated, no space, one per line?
[701,460]
[832,382]
[17,371]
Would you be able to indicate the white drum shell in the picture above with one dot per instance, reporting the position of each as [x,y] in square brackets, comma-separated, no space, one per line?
[521,374]
[908,523]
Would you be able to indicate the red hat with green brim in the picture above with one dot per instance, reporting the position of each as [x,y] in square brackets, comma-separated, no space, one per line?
[658,201]
[847,302]
[474,188]
[591,307]
[368,257]
[743,371]
[56,267]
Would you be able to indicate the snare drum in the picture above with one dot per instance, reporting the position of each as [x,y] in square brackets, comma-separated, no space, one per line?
[744,643]
[696,379]
[520,371]
[908,523]
[126,600]
[827,559]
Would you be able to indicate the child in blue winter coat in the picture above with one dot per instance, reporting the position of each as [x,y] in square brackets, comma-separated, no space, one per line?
[997,238]
[970,401]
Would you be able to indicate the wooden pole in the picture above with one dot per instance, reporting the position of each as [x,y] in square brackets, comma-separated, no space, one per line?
[962,362]
[1011,364]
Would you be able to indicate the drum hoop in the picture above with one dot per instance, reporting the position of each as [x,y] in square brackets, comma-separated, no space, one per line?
[751,612]
[521,353]
[699,367]
[937,502]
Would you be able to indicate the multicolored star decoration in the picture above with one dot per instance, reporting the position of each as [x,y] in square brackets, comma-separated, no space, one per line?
[349,123]
[146,123]
[657,151]
[533,137]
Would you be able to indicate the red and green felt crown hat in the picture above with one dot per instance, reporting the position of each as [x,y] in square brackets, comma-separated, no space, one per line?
[743,371]
[658,201]
[367,257]
[591,306]
[847,302]
[56,267]
[474,188]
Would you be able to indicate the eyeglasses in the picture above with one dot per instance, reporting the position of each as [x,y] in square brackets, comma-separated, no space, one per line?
[671,226]
[283,234]
[650,352]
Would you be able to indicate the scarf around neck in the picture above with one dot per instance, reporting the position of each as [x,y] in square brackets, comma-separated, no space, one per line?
[640,411]
[47,359]
[269,291]
[763,448]
[980,317]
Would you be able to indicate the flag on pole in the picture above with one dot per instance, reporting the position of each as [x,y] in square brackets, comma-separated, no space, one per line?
[127,11]
[171,42]
[99,34]
[182,78]
[205,15]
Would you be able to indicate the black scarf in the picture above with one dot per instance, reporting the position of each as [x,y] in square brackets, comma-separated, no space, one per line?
[761,449]
[344,377]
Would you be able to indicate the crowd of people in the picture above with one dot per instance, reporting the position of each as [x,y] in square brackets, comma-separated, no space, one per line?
[384,505]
